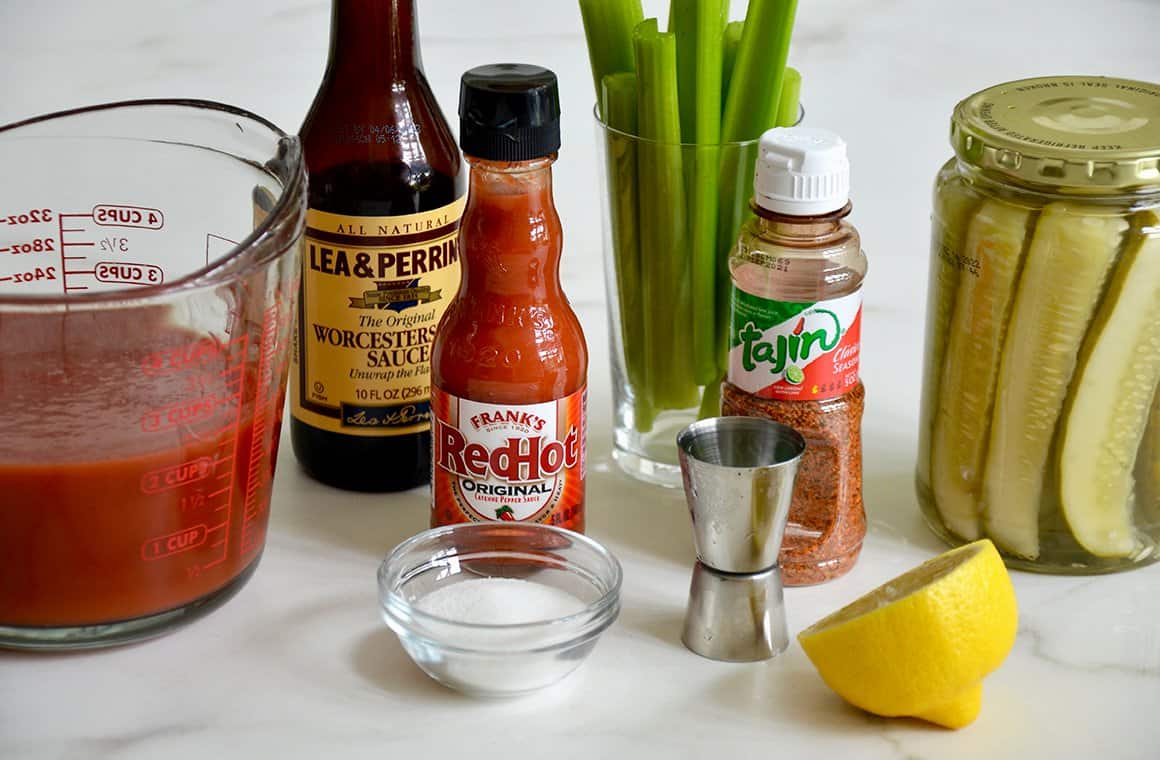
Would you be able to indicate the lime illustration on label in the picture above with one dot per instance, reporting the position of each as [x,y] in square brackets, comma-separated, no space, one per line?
[373,292]
[794,350]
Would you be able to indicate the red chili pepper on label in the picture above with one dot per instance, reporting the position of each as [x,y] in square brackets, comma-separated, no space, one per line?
[800,326]
[505,513]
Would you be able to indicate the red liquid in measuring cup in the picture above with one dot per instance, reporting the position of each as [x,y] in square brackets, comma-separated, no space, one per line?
[136,460]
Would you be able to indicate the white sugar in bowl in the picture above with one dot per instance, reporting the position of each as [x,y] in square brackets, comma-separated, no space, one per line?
[496,609]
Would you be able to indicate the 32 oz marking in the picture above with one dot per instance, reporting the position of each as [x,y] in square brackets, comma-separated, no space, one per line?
[35,216]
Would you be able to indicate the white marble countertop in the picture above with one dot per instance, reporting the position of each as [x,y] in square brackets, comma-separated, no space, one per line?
[299,665]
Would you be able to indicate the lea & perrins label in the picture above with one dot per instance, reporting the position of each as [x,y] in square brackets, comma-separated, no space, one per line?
[373,291]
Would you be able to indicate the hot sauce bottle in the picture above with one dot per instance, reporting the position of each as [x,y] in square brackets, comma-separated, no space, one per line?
[381,255]
[509,365]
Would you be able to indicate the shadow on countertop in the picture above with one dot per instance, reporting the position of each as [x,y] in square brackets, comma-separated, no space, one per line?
[627,514]
[621,511]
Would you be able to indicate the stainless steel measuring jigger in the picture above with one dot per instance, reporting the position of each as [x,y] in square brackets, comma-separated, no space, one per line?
[738,474]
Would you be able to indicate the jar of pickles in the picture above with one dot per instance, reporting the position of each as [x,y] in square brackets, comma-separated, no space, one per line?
[1040,414]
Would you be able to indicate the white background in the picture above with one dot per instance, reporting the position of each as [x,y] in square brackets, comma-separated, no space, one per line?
[298,665]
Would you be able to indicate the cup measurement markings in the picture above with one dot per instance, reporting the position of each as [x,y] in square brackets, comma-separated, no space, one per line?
[92,251]
[128,273]
[177,476]
[275,322]
[204,485]
[174,543]
[90,248]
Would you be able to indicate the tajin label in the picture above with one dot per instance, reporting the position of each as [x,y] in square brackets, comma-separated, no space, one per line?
[373,291]
[509,462]
[787,350]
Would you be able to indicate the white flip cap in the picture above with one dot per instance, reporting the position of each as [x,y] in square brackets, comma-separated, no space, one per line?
[801,171]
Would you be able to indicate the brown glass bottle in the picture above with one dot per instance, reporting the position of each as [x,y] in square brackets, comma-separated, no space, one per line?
[381,258]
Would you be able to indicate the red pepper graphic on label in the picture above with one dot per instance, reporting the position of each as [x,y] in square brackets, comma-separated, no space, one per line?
[800,326]
[505,513]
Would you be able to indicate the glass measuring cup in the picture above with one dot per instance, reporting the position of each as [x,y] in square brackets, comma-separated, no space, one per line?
[149,264]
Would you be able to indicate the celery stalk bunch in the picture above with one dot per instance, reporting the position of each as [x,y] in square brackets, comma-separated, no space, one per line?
[681,104]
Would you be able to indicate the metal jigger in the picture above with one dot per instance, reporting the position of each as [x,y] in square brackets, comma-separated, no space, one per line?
[738,474]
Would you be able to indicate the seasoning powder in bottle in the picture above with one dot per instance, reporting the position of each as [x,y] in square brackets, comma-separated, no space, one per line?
[794,341]
[509,364]
[381,258]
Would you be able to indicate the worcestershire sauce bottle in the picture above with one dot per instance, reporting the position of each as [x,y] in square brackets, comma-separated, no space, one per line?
[381,261]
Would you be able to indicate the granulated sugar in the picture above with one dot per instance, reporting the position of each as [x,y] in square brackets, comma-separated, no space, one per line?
[499,601]
[490,644]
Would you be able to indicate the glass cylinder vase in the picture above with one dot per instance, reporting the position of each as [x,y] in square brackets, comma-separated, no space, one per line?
[671,214]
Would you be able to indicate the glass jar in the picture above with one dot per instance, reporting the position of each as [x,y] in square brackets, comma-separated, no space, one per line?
[1040,424]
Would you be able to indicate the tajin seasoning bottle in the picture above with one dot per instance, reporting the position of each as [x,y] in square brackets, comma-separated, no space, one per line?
[795,333]
[381,259]
[509,365]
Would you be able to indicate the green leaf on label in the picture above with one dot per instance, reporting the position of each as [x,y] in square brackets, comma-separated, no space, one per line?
[764,313]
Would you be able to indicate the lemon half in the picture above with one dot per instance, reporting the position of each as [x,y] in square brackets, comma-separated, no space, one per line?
[921,644]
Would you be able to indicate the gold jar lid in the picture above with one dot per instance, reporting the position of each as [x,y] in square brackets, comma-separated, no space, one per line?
[1078,134]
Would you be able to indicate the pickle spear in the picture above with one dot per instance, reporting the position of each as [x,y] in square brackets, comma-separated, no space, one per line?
[994,248]
[1071,254]
[1109,408]
[953,205]
[1148,472]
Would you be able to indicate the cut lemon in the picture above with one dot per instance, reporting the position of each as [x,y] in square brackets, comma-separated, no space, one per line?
[921,644]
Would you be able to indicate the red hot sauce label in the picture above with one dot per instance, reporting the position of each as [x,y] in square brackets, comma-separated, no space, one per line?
[508,462]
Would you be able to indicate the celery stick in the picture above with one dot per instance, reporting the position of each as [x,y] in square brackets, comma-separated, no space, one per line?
[618,104]
[754,89]
[750,109]
[789,102]
[700,29]
[735,188]
[608,26]
[732,41]
[683,24]
[711,399]
[662,231]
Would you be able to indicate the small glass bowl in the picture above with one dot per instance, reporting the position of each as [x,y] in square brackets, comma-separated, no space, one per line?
[499,660]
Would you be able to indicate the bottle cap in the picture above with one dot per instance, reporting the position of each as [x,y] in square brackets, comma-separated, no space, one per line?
[801,171]
[509,112]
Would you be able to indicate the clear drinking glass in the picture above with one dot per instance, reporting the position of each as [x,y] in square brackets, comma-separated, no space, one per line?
[671,214]
[149,265]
